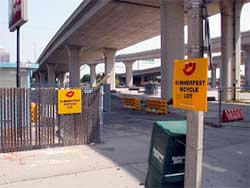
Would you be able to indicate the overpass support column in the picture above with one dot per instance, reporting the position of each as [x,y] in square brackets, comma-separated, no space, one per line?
[247,68]
[92,75]
[51,75]
[74,66]
[42,78]
[61,78]
[35,75]
[142,80]
[129,73]
[231,47]
[213,77]
[109,60]
[172,43]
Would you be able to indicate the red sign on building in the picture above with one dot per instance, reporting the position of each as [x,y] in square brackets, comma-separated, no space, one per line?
[18,13]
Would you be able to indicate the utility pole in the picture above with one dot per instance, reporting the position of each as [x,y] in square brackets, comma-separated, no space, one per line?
[18,58]
[195,120]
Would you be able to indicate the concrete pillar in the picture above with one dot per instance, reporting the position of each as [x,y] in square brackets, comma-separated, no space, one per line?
[74,66]
[51,75]
[172,43]
[230,47]
[195,120]
[92,75]
[42,78]
[142,80]
[61,76]
[237,53]
[109,60]
[247,68]
[213,77]
[35,76]
[129,73]
[28,80]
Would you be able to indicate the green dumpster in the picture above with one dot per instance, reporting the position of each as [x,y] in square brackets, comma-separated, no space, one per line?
[166,160]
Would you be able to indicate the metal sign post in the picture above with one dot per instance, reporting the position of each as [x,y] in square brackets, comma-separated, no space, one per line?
[220,106]
[18,82]
[18,15]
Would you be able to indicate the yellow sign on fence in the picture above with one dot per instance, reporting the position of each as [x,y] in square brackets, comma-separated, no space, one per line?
[190,84]
[69,101]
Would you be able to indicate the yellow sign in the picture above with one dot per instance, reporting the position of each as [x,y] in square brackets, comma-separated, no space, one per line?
[190,84]
[69,101]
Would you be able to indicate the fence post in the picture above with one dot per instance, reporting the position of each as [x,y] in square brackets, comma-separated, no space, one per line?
[101,114]
[107,98]
[220,105]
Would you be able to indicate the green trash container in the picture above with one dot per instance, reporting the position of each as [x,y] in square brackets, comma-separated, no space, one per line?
[166,160]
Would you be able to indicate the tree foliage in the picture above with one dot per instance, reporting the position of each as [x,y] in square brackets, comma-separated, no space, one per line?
[85,78]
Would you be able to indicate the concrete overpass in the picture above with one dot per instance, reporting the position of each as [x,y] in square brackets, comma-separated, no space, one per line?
[97,29]
[156,54]
[129,59]
[156,71]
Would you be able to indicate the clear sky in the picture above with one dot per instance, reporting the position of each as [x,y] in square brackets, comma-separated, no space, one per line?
[47,17]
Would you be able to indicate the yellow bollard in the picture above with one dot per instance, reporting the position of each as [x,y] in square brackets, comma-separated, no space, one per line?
[33,112]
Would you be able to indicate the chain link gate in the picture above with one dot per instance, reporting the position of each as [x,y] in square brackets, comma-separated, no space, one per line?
[18,131]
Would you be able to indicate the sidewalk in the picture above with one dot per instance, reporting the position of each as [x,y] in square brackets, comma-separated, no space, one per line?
[121,161]
[76,166]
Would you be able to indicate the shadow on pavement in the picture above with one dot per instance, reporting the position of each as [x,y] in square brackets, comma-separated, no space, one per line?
[127,133]
[127,136]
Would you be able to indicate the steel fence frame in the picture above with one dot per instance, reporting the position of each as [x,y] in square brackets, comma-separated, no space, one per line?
[18,132]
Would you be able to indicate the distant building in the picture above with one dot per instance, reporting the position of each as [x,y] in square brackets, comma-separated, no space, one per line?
[4,56]
[8,74]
